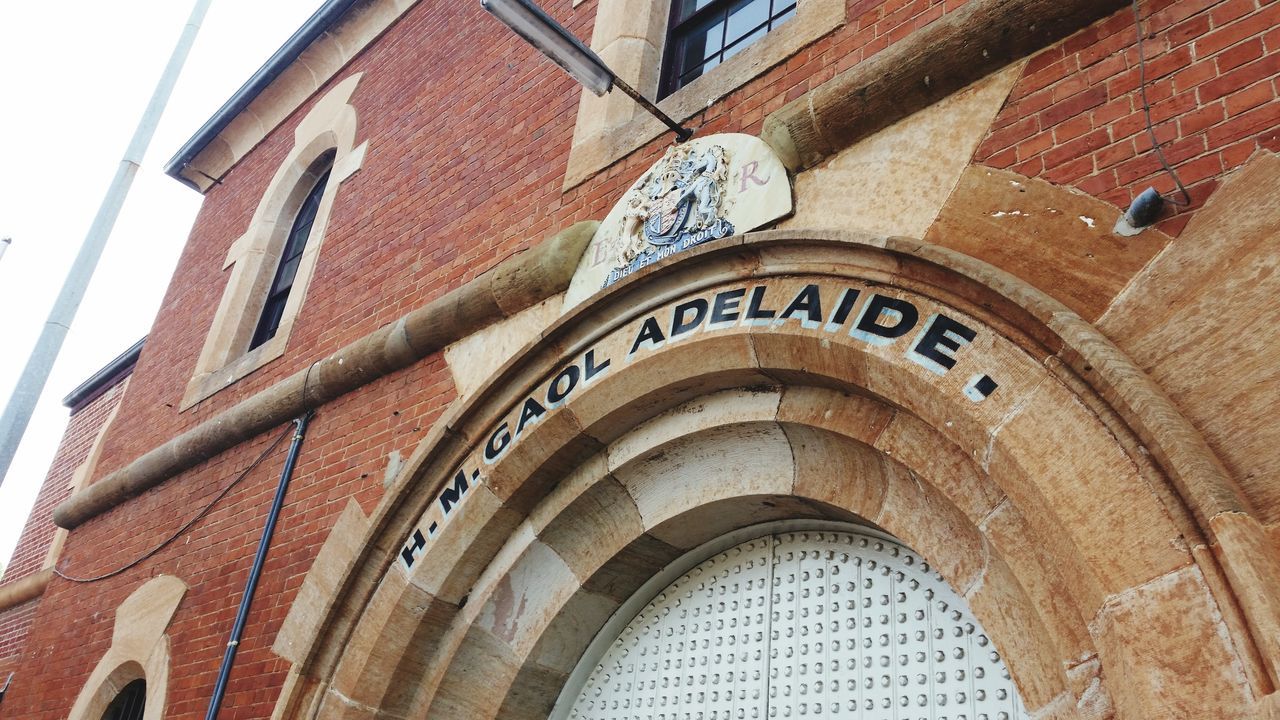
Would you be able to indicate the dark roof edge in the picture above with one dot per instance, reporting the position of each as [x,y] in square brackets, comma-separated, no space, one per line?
[313,28]
[104,379]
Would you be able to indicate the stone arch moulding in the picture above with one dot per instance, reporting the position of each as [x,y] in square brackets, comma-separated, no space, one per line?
[1116,566]
[330,127]
[139,650]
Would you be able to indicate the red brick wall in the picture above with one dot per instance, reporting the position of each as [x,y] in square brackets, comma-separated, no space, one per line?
[37,535]
[1075,117]
[469,136]
[468,132]
[14,625]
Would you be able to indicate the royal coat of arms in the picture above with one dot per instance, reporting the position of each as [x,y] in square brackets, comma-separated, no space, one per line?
[677,205]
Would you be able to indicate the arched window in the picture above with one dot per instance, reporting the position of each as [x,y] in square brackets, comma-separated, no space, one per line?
[291,256]
[271,265]
[129,704]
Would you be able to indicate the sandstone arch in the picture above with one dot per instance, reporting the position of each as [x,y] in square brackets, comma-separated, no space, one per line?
[1074,508]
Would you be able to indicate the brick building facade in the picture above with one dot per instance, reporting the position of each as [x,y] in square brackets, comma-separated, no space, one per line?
[923,339]
[93,405]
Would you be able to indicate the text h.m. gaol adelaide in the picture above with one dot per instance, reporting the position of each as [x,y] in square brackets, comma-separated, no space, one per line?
[869,400]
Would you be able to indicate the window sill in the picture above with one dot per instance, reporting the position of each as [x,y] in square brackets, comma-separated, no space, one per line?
[203,386]
[603,147]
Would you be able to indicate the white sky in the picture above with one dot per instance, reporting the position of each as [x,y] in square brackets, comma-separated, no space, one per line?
[76,77]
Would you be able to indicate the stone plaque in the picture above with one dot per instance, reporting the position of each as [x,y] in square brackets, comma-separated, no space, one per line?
[700,191]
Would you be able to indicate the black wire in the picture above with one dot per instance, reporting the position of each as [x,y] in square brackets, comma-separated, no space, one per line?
[205,511]
[1146,111]
[306,380]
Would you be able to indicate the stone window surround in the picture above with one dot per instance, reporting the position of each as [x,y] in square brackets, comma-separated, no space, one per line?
[252,258]
[630,36]
[139,650]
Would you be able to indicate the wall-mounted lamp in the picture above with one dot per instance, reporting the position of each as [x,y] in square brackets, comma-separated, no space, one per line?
[1142,213]
[540,30]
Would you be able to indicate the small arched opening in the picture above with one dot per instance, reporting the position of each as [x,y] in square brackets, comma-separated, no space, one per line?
[130,703]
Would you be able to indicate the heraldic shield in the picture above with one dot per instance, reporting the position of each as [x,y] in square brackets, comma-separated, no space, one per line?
[669,215]
[676,205]
[699,191]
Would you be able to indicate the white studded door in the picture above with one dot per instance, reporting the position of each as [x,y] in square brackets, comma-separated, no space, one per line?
[803,625]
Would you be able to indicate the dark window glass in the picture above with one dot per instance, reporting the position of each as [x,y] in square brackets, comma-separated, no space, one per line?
[290,258]
[129,704]
[705,33]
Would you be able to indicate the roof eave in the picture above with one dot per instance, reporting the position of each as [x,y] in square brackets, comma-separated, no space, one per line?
[315,26]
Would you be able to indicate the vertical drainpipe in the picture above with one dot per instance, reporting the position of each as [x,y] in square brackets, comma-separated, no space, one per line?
[251,586]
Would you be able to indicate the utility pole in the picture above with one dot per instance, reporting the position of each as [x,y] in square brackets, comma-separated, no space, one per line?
[17,413]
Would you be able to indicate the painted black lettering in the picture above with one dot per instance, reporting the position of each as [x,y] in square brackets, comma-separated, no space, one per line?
[807,305]
[409,553]
[725,306]
[589,361]
[564,384]
[942,339]
[845,306]
[907,317]
[754,312]
[986,385]
[453,495]
[532,410]
[980,388]
[649,332]
[682,322]
[498,443]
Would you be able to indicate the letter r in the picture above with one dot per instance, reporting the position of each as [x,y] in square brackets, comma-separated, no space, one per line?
[749,173]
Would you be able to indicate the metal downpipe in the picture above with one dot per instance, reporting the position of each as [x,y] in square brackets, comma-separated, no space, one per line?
[251,585]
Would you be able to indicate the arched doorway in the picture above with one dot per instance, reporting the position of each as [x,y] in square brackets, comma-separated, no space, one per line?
[770,378]
[792,620]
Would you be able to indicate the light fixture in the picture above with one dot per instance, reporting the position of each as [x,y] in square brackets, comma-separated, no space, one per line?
[540,30]
[1142,213]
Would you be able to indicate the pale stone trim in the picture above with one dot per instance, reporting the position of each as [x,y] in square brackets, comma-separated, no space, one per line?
[975,40]
[376,604]
[139,649]
[252,258]
[320,63]
[473,359]
[34,585]
[83,474]
[27,589]
[630,36]
[309,609]
[556,536]
[896,181]
[511,286]
[1267,708]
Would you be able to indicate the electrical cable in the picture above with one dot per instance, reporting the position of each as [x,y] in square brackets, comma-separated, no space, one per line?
[306,380]
[1146,110]
[205,511]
